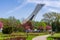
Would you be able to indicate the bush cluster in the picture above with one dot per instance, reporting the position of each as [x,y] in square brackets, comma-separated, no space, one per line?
[7,30]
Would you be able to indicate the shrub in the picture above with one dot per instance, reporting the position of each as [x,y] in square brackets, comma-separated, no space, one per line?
[56,26]
[7,30]
[21,29]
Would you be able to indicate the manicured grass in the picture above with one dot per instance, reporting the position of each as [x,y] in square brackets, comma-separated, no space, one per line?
[13,35]
[49,38]
[56,35]
[32,35]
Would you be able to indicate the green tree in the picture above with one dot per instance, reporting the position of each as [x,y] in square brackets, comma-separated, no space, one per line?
[37,24]
[14,23]
[53,19]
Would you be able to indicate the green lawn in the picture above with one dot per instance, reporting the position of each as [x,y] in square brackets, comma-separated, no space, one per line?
[32,35]
[56,35]
[49,38]
[29,37]
[13,35]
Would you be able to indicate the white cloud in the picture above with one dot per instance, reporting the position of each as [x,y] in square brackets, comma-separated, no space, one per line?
[54,10]
[53,3]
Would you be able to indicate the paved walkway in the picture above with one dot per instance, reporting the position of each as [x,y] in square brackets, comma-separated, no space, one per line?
[41,37]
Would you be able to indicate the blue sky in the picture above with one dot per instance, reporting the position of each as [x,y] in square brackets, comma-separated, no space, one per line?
[23,8]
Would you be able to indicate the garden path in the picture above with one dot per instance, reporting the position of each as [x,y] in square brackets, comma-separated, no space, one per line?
[41,37]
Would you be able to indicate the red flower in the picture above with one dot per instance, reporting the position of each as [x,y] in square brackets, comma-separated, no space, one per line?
[48,27]
[1,25]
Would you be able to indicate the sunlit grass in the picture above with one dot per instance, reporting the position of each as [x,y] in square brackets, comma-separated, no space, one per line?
[20,34]
[56,35]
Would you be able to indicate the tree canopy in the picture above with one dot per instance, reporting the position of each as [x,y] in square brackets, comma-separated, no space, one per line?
[53,19]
